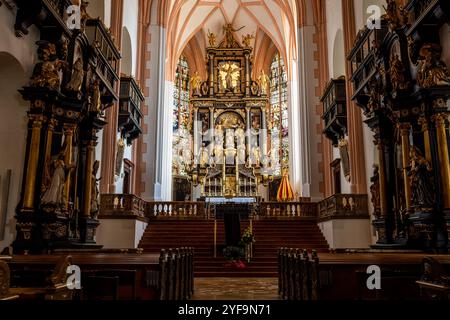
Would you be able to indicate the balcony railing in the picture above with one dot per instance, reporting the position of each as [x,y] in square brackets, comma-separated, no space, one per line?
[130,115]
[121,205]
[286,210]
[362,56]
[108,55]
[344,206]
[334,102]
[176,210]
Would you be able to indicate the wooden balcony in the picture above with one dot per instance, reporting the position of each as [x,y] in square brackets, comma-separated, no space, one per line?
[363,56]
[334,102]
[106,55]
[130,115]
[344,206]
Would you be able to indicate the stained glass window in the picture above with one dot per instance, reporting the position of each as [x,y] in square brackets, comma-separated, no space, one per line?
[278,116]
[182,139]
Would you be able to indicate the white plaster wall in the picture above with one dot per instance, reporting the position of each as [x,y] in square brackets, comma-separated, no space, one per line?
[17,59]
[334,25]
[13,128]
[445,42]
[120,233]
[130,21]
[23,49]
[346,233]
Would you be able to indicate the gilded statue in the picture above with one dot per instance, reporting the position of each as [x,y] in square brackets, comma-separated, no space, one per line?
[84,14]
[229,74]
[263,81]
[246,40]
[96,101]
[211,39]
[76,81]
[432,71]
[421,176]
[256,155]
[196,83]
[46,73]
[229,41]
[397,73]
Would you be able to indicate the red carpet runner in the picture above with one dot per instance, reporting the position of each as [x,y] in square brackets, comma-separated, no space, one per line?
[269,234]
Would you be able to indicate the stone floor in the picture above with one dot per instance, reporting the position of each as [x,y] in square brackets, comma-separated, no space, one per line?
[236,289]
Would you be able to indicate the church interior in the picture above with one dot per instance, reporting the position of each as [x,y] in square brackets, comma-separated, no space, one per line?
[224,150]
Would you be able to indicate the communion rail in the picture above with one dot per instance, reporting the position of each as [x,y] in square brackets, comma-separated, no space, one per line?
[130,205]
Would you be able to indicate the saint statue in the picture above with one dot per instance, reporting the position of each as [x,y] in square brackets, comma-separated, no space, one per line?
[94,189]
[256,155]
[229,139]
[204,156]
[240,137]
[229,41]
[196,83]
[263,81]
[218,153]
[76,81]
[96,101]
[241,153]
[397,73]
[432,71]
[421,180]
[54,194]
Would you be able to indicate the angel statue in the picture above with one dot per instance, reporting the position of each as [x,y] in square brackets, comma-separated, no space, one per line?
[211,39]
[229,41]
[263,81]
[246,40]
[196,83]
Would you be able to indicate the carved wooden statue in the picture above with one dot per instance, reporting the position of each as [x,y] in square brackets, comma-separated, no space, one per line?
[196,83]
[54,195]
[397,72]
[431,70]
[94,189]
[263,80]
[76,81]
[422,186]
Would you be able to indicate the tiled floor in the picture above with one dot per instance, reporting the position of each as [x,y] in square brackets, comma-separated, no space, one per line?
[236,289]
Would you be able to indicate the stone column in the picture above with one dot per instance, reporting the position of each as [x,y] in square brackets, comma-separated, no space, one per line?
[32,163]
[444,163]
[404,133]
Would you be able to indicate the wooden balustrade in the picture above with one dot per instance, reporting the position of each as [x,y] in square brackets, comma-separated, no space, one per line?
[177,210]
[344,206]
[116,205]
[304,210]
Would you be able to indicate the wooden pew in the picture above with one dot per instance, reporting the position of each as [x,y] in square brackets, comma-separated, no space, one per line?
[435,282]
[298,274]
[54,287]
[136,272]
[176,274]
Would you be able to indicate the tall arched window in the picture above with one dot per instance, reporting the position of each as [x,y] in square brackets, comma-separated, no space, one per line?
[279,134]
[182,118]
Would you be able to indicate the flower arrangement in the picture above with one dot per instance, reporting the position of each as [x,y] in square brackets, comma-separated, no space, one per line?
[235,254]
